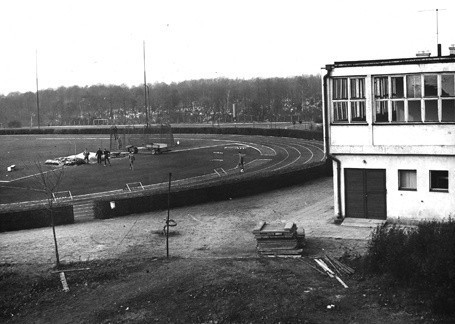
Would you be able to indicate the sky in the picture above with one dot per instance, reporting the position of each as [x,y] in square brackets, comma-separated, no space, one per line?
[84,43]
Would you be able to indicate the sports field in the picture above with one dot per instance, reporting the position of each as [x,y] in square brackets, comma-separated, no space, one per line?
[195,158]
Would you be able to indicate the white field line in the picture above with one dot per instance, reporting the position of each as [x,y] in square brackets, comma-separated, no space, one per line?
[232,142]
[71,138]
[30,176]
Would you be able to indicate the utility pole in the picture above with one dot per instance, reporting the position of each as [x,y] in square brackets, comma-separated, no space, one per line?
[37,94]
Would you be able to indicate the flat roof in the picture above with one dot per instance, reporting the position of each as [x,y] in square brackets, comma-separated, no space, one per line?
[397,61]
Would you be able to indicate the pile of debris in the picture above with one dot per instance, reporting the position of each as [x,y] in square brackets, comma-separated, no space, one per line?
[279,239]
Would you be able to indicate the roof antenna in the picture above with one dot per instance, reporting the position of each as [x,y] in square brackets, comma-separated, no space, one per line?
[438,47]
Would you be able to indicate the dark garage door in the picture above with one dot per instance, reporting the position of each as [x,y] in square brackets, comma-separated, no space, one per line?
[365,193]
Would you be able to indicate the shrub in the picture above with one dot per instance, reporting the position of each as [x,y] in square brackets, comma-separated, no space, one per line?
[422,257]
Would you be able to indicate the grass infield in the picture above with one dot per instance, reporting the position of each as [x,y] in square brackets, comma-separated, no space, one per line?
[194,156]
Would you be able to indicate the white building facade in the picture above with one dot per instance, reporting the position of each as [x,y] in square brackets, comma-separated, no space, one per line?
[389,128]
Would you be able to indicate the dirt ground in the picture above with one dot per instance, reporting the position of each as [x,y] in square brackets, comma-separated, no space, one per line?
[118,270]
[220,229]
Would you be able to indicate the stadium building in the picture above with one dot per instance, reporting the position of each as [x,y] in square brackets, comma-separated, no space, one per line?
[389,129]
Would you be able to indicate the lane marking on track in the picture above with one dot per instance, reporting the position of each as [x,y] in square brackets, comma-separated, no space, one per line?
[292,162]
[311,152]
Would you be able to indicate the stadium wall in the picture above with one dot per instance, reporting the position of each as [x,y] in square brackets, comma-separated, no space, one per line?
[278,132]
[35,217]
[221,190]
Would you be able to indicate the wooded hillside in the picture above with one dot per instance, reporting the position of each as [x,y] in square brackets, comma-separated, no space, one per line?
[205,100]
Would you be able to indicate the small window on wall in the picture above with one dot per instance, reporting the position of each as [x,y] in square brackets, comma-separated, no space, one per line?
[407,180]
[439,181]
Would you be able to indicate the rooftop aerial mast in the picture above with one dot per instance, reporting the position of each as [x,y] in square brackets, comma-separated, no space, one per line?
[438,48]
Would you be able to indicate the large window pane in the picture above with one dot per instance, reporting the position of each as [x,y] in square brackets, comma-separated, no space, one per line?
[413,86]
[340,88]
[382,112]
[398,111]
[340,111]
[358,111]
[448,87]
[381,88]
[414,111]
[431,111]
[448,110]
[431,85]
[407,179]
[397,87]
[439,181]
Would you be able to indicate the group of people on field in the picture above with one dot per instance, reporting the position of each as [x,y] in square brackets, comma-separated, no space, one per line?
[107,154]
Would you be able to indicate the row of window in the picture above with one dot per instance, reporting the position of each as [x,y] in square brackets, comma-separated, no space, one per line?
[406,98]
[439,180]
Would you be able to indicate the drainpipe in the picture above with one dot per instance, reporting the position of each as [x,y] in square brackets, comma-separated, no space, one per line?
[327,138]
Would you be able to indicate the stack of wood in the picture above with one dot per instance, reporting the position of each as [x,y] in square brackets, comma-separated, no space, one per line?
[279,239]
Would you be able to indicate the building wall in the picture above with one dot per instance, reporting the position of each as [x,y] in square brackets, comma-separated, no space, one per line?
[421,146]
[409,205]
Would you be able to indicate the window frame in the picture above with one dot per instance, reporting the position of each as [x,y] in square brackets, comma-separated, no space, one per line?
[400,186]
[435,106]
[430,173]
[355,100]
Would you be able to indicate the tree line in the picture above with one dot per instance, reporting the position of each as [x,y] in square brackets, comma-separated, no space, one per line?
[206,100]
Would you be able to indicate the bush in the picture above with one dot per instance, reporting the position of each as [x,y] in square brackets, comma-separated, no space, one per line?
[422,257]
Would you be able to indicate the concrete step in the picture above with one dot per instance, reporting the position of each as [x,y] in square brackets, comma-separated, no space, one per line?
[83,210]
[362,222]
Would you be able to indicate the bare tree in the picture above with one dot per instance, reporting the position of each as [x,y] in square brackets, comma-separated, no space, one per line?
[48,182]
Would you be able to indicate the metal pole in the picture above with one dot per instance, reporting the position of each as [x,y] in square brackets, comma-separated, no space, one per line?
[145,92]
[168,212]
[37,95]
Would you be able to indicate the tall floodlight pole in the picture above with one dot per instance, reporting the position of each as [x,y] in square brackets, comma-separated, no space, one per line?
[145,92]
[37,94]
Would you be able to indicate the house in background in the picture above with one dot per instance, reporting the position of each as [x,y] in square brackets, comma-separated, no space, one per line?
[389,128]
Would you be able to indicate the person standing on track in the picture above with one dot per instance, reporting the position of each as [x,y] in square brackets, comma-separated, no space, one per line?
[86,155]
[98,155]
[241,162]
[131,158]
[106,157]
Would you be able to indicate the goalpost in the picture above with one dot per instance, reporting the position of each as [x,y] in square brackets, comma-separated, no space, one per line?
[100,121]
